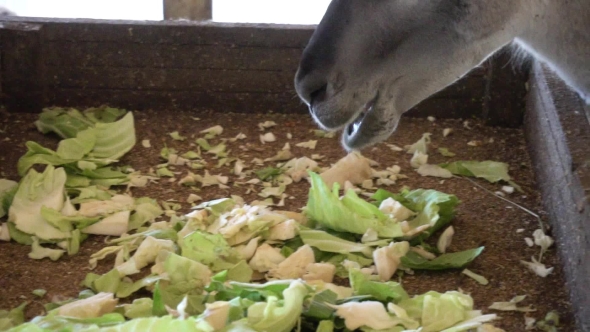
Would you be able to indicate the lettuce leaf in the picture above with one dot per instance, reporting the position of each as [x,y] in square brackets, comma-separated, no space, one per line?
[433,207]
[156,324]
[19,236]
[92,307]
[146,210]
[185,274]
[76,148]
[218,206]
[382,291]
[373,315]
[66,223]
[39,252]
[186,278]
[421,145]
[38,190]
[329,243]
[318,307]
[7,190]
[272,316]
[437,311]
[113,323]
[64,123]
[67,123]
[492,171]
[104,114]
[437,209]
[268,173]
[12,318]
[146,254]
[350,214]
[106,283]
[209,249]
[158,306]
[257,291]
[139,308]
[113,140]
[87,193]
[325,326]
[241,272]
[455,260]
[90,149]
[126,289]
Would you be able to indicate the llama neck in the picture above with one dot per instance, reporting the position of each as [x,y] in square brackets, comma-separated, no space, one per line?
[558,33]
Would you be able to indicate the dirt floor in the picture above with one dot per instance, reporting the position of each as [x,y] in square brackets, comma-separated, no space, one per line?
[482,219]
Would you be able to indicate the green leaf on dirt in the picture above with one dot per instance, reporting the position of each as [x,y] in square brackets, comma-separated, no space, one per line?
[455,260]
[176,136]
[445,152]
[492,171]
[268,173]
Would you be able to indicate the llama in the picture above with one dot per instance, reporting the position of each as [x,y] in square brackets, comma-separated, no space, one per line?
[369,61]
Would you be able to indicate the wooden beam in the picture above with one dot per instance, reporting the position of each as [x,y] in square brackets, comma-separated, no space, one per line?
[186,65]
[558,138]
[22,67]
[194,10]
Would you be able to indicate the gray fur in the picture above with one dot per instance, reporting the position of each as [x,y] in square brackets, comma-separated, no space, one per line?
[392,54]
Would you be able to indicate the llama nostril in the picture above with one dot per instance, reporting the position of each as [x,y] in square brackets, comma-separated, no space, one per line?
[311,85]
[318,95]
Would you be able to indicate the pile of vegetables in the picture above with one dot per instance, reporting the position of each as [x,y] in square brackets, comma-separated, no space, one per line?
[41,207]
[228,265]
[204,265]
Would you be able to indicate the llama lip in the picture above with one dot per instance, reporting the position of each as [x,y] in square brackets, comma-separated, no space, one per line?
[353,128]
